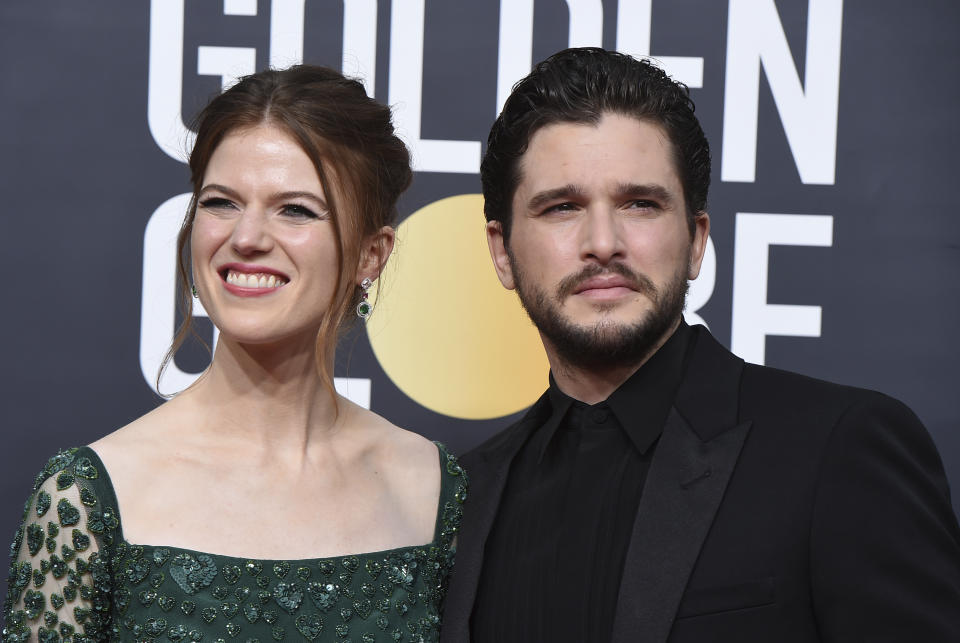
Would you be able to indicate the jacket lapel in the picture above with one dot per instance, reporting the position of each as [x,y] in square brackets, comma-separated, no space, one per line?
[695,457]
[487,469]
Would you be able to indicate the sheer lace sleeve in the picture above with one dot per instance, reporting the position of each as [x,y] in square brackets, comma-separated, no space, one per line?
[59,588]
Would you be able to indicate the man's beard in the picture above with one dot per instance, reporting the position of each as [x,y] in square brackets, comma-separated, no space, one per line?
[607,343]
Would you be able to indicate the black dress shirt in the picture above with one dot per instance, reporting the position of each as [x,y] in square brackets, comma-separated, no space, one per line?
[554,557]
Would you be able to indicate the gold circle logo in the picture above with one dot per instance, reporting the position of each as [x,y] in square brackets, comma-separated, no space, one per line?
[446,332]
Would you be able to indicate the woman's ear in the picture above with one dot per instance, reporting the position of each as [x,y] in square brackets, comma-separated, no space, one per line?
[374,252]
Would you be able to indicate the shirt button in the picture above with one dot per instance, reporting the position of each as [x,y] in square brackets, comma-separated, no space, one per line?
[599,416]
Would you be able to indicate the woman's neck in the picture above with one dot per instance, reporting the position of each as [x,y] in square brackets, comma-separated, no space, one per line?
[267,395]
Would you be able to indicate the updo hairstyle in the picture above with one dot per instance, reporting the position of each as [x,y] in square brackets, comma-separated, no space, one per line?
[350,139]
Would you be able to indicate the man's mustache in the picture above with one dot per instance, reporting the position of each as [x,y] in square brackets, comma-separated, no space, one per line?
[635,281]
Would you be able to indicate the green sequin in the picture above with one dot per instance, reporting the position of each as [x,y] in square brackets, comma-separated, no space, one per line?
[88,498]
[230,573]
[57,463]
[161,556]
[43,503]
[117,591]
[80,540]
[68,514]
[288,596]
[85,469]
[192,573]
[64,481]
[58,567]
[102,521]
[34,603]
[34,538]
[136,571]
[17,542]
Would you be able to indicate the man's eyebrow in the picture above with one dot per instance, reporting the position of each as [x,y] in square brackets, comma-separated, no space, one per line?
[569,191]
[649,190]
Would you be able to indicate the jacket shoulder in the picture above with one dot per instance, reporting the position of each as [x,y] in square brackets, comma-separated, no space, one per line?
[767,391]
[790,389]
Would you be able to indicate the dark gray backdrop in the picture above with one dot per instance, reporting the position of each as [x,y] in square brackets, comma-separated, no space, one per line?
[80,175]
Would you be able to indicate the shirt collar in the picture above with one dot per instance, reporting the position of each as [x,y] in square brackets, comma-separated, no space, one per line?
[640,404]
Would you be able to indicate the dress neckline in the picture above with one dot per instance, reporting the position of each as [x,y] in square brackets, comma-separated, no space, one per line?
[445,476]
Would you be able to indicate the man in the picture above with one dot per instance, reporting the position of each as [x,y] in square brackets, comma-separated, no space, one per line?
[662,489]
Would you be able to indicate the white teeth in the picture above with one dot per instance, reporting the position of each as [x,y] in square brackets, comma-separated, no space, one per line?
[257,280]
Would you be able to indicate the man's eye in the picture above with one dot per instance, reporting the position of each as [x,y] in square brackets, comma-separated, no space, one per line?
[644,204]
[299,212]
[561,207]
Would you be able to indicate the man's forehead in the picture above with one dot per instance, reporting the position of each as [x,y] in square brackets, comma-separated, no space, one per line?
[616,151]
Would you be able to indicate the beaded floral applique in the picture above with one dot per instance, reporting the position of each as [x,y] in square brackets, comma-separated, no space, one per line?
[77,581]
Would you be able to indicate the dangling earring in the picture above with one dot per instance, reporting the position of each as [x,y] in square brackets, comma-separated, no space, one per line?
[193,290]
[364,308]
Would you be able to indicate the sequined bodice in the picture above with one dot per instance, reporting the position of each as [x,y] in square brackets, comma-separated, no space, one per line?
[74,578]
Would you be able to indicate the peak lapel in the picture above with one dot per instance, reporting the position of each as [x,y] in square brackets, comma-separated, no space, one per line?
[686,482]
[684,487]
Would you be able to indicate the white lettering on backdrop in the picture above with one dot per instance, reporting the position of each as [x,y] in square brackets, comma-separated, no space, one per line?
[753,317]
[808,111]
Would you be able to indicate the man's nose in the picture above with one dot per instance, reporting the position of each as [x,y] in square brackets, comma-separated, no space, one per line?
[600,236]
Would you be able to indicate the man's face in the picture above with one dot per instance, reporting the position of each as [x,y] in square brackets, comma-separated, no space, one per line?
[600,250]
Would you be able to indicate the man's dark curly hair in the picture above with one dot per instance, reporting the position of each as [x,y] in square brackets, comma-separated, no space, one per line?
[579,86]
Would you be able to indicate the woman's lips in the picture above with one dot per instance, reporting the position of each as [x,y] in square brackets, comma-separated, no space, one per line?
[251,280]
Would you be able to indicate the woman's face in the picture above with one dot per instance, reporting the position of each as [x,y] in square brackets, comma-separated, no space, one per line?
[263,243]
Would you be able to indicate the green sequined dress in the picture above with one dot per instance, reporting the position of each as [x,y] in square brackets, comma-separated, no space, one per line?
[74,578]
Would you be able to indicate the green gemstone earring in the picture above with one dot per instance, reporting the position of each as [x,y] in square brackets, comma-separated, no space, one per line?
[364,308]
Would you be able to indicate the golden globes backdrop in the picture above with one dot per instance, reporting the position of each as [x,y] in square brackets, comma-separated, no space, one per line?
[835,242]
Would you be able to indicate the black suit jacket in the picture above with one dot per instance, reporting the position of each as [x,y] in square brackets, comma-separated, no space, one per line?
[777,509]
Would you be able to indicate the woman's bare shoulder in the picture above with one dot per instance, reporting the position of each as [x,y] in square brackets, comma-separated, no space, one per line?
[142,440]
[401,448]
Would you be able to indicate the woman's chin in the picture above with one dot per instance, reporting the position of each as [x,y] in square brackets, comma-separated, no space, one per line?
[262,338]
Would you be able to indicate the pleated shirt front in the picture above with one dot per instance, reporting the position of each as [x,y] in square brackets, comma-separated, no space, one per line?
[554,557]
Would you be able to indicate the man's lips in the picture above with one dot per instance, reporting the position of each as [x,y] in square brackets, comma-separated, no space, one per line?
[609,283]
[604,284]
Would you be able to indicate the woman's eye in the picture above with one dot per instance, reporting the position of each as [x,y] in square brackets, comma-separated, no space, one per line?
[299,211]
[216,203]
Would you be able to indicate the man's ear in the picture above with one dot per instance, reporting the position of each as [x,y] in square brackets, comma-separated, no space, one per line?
[374,252]
[498,252]
[701,231]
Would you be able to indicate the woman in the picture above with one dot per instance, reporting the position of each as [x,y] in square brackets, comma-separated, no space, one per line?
[257,504]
